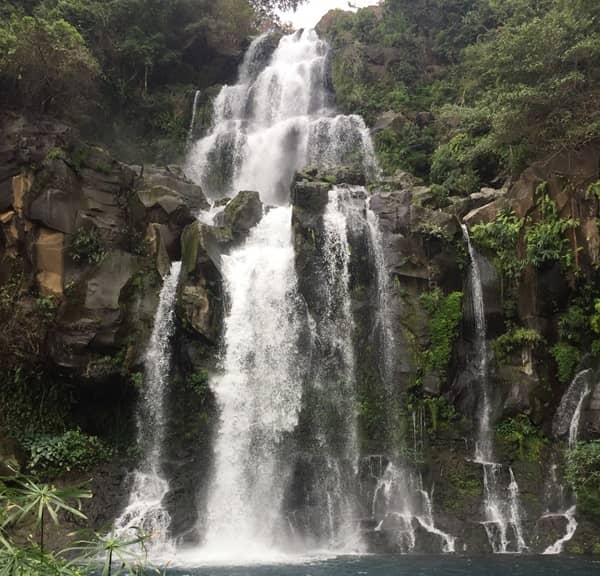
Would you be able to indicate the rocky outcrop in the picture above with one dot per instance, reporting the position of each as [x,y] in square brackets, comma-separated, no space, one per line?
[172,202]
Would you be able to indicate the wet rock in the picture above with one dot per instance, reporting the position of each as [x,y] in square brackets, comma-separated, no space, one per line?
[311,196]
[106,282]
[241,214]
[548,529]
[200,304]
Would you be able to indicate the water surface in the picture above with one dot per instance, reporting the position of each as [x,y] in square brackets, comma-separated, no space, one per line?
[413,566]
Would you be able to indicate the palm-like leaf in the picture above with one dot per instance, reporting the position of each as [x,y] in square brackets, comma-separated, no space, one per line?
[129,553]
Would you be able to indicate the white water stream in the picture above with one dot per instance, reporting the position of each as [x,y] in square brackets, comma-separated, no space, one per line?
[501,505]
[276,120]
[145,510]
[568,419]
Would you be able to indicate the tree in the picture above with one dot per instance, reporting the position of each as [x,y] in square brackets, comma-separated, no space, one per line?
[47,65]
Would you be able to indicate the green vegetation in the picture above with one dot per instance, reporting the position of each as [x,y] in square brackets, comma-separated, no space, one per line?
[583,474]
[445,313]
[546,239]
[521,438]
[501,237]
[53,455]
[25,502]
[86,246]
[124,70]
[567,358]
[514,340]
[482,87]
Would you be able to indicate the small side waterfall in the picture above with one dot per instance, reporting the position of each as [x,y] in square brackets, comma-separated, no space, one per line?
[401,503]
[337,378]
[502,507]
[145,509]
[384,319]
[567,421]
[194,113]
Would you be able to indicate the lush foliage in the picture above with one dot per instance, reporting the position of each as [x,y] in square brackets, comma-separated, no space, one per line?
[521,438]
[445,313]
[506,81]
[583,474]
[567,358]
[25,502]
[47,65]
[52,455]
[546,239]
[515,339]
[501,237]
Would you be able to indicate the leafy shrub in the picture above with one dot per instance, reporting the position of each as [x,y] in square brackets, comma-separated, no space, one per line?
[445,315]
[546,241]
[583,474]
[86,246]
[53,455]
[515,339]
[501,237]
[567,358]
[573,325]
[522,437]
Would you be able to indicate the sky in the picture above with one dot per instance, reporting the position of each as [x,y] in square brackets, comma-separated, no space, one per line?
[309,14]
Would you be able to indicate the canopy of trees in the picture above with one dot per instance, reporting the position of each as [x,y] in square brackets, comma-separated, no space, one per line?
[506,80]
[130,62]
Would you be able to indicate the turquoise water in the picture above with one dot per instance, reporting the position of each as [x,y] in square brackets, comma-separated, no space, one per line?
[414,566]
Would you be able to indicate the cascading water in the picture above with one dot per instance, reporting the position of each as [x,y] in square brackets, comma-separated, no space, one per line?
[194,113]
[400,502]
[259,395]
[145,509]
[336,327]
[566,422]
[383,296]
[275,120]
[502,508]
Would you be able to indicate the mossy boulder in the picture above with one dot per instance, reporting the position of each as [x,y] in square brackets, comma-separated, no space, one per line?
[241,214]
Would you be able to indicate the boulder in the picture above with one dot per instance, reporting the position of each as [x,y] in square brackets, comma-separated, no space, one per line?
[169,187]
[390,120]
[242,214]
[591,416]
[199,303]
[311,196]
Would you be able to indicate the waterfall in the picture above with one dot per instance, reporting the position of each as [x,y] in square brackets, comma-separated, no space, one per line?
[259,394]
[502,510]
[568,415]
[395,506]
[566,421]
[383,297]
[276,120]
[336,328]
[194,112]
[145,509]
